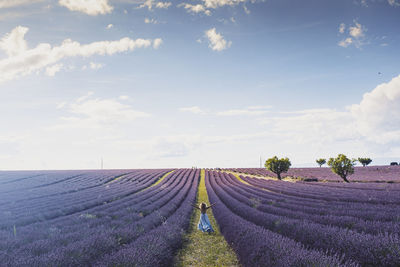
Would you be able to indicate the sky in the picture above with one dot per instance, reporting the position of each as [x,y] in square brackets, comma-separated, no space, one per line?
[206,83]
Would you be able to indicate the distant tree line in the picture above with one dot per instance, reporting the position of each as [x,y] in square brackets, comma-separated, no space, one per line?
[341,165]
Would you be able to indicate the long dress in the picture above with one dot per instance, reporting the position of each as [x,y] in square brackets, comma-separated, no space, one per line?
[204,223]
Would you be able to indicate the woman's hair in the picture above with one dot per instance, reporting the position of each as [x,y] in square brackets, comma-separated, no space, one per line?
[202,206]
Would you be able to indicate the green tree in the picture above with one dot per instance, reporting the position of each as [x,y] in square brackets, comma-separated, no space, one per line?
[342,166]
[365,161]
[321,162]
[278,166]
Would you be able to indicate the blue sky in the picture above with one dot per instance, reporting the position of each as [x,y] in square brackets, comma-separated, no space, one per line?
[207,83]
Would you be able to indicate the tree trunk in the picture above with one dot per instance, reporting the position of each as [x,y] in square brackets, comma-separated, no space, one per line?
[279,176]
[345,179]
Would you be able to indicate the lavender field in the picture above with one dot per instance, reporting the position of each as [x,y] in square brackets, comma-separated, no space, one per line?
[139,217]
[94,218]
[361,174]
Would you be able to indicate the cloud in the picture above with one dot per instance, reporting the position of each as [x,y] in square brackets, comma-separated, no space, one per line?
[14,3]
[195,8]
[14,43]
[89,7]
[220,3]
[355,37]
[378,114]
[52,70]
[342,27]
[23,61]
[346,42]
[393,3]
[95,66]
[250,111]
[194,109]
[150,4]
[167,147]
[87,112]
[246,10]
[150,21]
[216,40]
[109,26]
[356,31]
[157,43]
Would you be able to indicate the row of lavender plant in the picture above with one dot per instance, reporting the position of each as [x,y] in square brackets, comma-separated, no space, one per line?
[25,212]
[261,201]
[328,194]
[71,224]
[366,249]
[158,247]
[258,246]
[361,174]
[56,186]
[109,234]
[366,211]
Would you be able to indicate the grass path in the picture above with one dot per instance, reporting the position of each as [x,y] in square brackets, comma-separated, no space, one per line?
[202,249]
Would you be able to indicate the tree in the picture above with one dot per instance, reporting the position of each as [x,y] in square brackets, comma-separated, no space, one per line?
[321,162]
[342,166]
[278,166]
[365,161]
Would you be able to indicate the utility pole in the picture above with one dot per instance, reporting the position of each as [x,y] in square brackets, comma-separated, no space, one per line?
[260,163]
[101,162]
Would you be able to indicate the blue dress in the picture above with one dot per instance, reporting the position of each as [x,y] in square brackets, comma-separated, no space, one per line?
[204,223]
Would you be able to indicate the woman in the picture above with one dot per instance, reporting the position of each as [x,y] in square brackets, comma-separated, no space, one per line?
[204,223]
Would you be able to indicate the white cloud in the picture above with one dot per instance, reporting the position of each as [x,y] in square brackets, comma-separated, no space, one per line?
[123,97]
[52,70]
[355,37]
[342,27]
[14,43]
[150,21]
[23,61]
[96,113]
[157,43]
[95,66]
[195,8]
[378,114]
[220,3]
[356,31]
[346,42]
[14,3]
[89,7]
[393,3]
[242,112]
[109,26]
[216,40]
[84,97]
[194,109]
[150,4]
[246,10]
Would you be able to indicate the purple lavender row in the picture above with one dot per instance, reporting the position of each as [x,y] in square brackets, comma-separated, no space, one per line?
[57,187]
[366,211]
[80,200]
[366,249]
[107,237]
[361,174]
[68,226]
[157,247]
[322,206]
[327,194]
[239,192]
[46,229]
[360,186]
[257,246]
